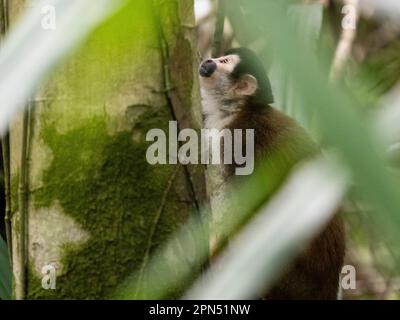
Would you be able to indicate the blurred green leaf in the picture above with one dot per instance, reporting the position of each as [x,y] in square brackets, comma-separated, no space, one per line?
[341,126]
[275,235]
[359,145]
[30,52]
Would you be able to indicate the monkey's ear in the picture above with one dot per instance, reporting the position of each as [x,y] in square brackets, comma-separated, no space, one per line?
[246,85]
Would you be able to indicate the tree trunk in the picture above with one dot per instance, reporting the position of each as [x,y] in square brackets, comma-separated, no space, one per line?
[85,201]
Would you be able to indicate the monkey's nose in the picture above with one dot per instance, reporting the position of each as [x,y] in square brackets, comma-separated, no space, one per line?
[207,68]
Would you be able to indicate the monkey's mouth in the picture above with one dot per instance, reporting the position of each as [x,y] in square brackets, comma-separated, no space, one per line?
[207,68]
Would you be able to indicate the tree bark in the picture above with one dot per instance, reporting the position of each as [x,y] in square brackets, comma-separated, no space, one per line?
[85,201]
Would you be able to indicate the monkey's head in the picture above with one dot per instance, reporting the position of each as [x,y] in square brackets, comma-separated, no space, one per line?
[239,75]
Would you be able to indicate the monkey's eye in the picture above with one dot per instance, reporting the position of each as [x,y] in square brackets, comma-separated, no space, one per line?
[224,61]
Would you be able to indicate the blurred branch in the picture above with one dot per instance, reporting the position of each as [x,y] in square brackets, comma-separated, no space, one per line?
[219,29]
[157,218]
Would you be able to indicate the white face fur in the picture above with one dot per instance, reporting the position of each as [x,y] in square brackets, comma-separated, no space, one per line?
[221,96]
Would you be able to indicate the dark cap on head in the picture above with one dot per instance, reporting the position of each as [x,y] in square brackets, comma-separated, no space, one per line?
[251,64]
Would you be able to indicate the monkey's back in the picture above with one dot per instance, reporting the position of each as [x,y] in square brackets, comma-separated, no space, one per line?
[281,141]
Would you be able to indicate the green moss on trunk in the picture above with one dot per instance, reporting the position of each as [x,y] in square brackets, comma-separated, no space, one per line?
[88,153]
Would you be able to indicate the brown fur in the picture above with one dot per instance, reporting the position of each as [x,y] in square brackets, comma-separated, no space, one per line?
[315,274]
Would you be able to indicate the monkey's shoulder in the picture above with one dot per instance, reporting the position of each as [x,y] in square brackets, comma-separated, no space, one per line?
[276,132]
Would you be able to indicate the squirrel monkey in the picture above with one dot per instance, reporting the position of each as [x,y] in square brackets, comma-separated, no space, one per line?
[237,94]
